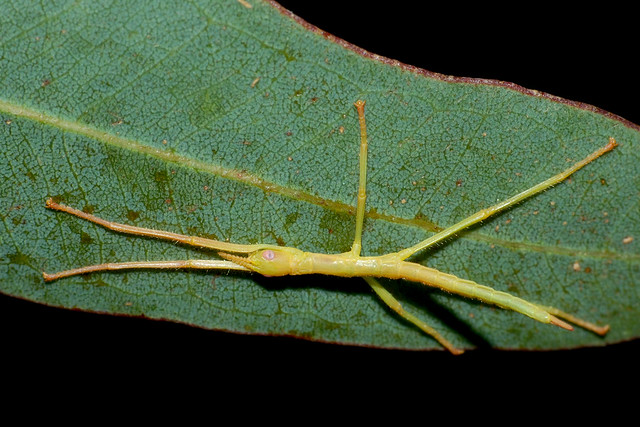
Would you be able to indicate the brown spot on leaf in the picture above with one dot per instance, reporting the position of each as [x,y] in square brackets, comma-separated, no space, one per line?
[132,215]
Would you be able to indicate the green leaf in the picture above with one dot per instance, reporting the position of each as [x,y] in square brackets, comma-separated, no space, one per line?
[237,123]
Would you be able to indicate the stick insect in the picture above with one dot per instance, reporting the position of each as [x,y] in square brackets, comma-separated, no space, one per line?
[273,260]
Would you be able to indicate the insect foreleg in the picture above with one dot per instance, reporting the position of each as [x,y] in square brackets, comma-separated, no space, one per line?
[158,234]
[193,264]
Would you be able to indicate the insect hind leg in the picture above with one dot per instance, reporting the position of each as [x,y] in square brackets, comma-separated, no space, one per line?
[499,207]
[600,330]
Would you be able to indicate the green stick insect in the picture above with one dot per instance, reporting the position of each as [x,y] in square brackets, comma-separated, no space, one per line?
[272,260]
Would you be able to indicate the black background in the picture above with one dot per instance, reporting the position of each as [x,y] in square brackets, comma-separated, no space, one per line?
[582,55]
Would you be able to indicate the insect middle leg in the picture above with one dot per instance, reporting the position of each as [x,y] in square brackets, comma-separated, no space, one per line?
[395,305]
[356,248]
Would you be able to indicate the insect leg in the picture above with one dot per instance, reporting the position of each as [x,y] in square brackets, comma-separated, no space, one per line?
[395,305]
[199,264]
[470,289]
[600,330]
[362,187]
[159,234]
[486,213]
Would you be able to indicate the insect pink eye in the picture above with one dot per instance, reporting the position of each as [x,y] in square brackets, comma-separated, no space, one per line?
[268,255]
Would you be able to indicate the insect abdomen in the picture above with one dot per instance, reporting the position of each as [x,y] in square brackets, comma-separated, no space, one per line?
[470,289]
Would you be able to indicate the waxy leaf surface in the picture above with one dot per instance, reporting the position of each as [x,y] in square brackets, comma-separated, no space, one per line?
[236,123]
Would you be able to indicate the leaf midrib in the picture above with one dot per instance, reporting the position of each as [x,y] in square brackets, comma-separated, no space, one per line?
[249,179]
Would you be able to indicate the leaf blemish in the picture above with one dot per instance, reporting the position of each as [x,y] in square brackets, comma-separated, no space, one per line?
[85,238]
[132,215]
[161,176]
